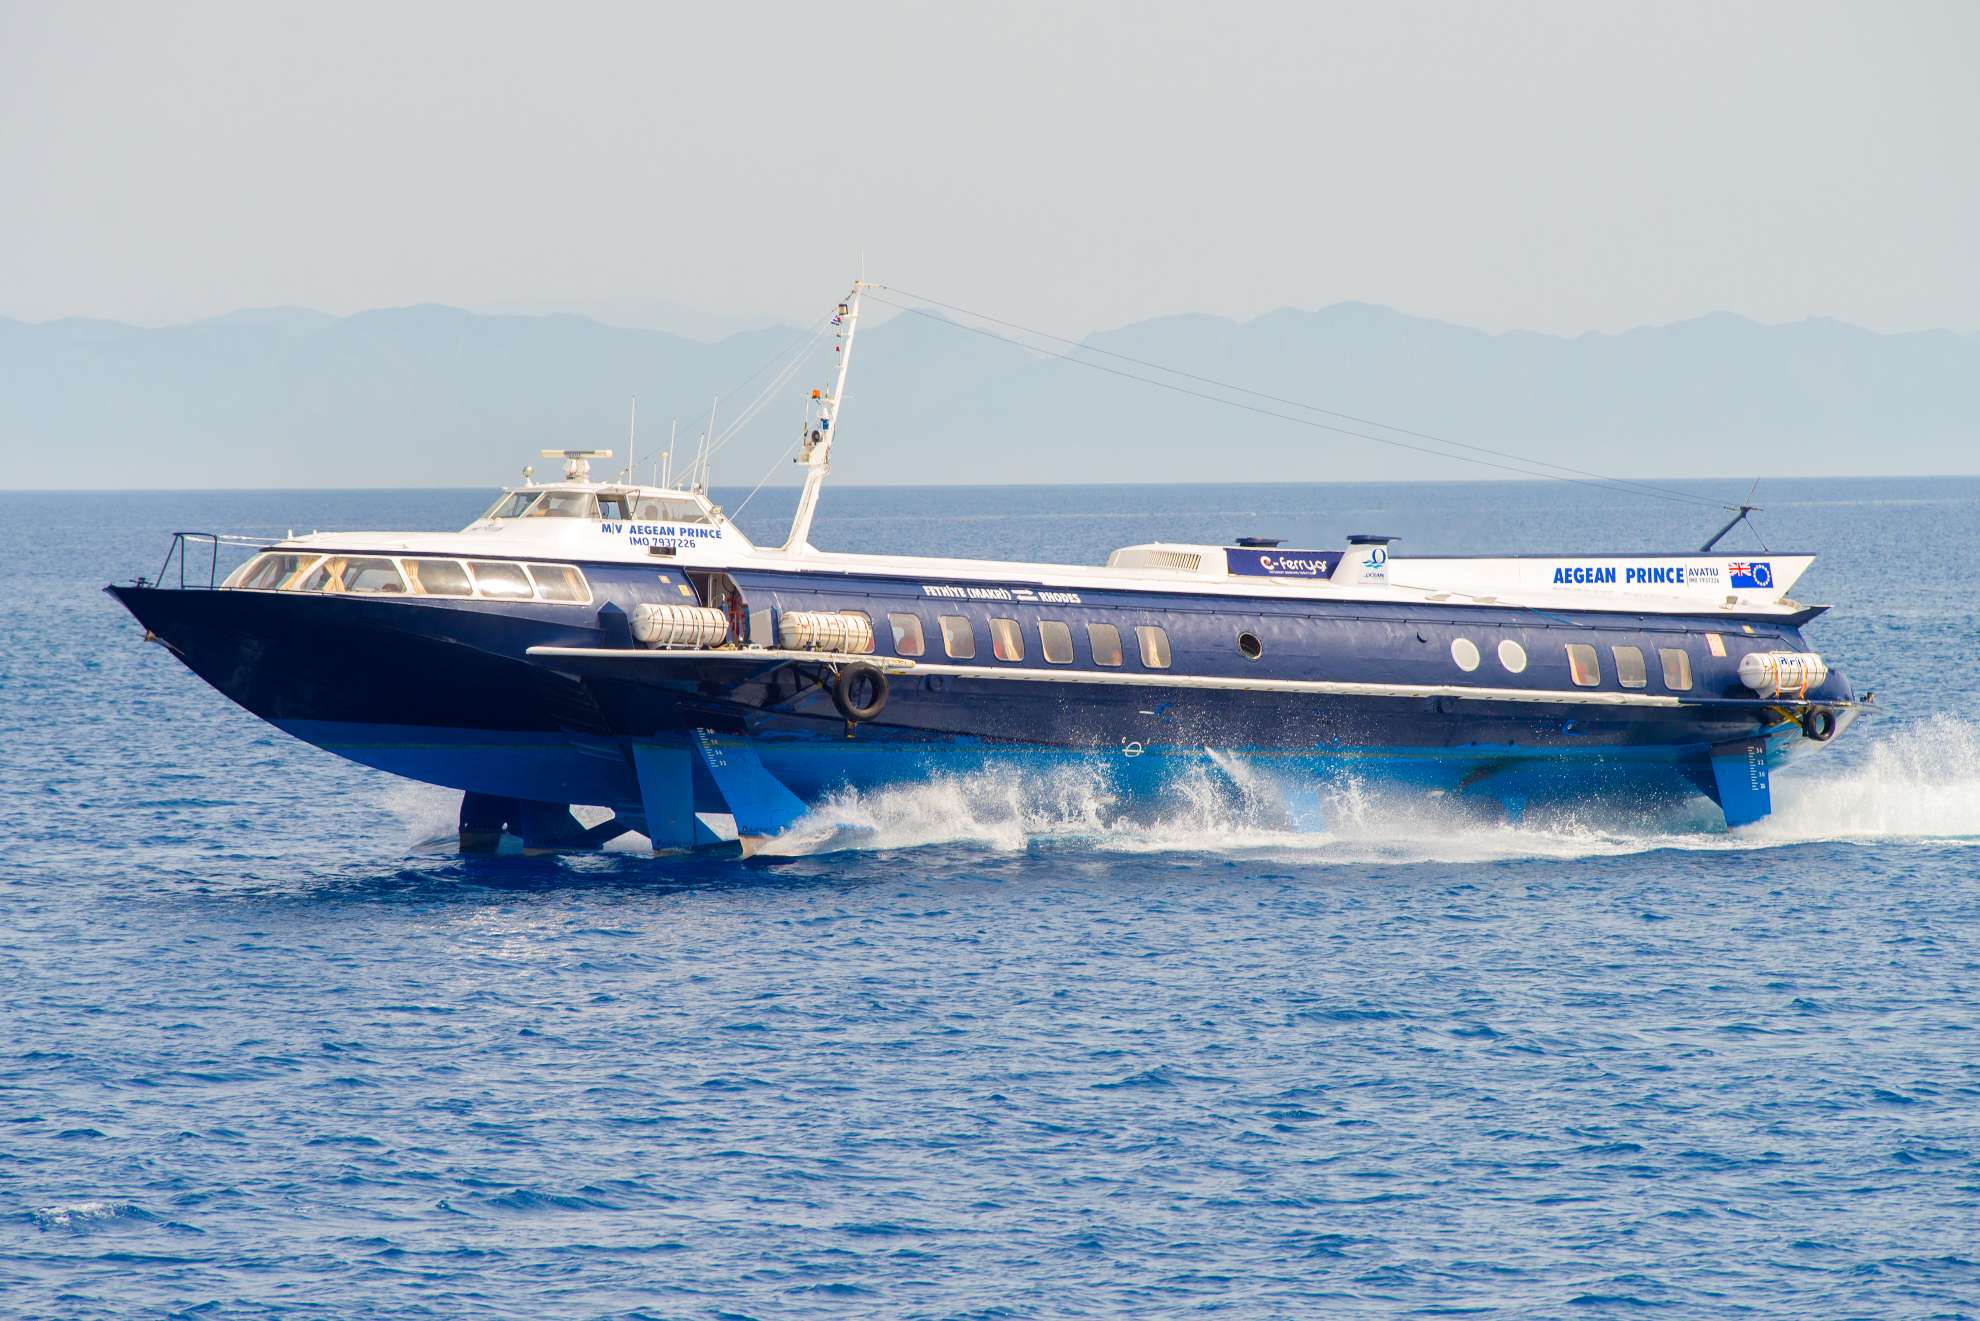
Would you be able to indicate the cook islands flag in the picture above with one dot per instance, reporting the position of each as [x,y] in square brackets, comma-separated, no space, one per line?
[1758,573]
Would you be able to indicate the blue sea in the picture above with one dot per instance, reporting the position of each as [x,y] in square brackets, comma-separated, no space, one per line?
[989,1047]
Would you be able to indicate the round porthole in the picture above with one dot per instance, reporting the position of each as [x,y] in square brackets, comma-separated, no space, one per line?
[1465,652]
[1512,656]
[1249,644]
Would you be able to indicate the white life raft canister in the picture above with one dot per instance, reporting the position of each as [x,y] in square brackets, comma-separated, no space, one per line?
[825,630]
[1772,673]
[659,625]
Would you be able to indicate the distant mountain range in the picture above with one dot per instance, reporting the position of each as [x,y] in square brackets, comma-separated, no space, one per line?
[436,396]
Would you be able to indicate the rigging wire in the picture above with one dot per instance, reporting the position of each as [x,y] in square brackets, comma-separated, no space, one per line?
[1581,476]
[762,398]
[764,480]
[805,337]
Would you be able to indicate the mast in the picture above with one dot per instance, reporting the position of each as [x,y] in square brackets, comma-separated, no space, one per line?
[817,453]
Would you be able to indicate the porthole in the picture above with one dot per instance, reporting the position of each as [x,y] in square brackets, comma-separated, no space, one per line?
[1512,656]
[1249,644]
[1465,652]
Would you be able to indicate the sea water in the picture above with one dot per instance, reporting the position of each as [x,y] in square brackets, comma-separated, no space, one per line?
[990,1046]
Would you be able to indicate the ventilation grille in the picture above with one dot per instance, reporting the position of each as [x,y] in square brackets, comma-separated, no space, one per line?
[1144,557]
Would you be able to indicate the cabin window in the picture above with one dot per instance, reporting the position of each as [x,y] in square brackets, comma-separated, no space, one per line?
[438,577]
[373,577]
[268,572]
[1715,644]
[1006,641]
[500,579]
[1465,652]
[1154,643]
[1584,666]
[1512,656]
[907,635]
[1677,668]
[1104,641]
[1249,645]
[560,583]
[958,638]
[1055,640]
[1630,671]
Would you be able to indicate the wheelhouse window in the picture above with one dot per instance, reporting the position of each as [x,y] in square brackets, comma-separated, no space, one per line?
[1154,643]
[1055,641]
[513,504]
[438,577]
[655,510]
[1677,668]
[565,504]
[1584,666]
[1104,641]
[1006,640]
[502,580]
[958,638]
[907,634]
[561,583]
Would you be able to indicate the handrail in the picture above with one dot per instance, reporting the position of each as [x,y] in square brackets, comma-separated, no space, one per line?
[178,548]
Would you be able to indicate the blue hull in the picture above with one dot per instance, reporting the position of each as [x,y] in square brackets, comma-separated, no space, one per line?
[451,696]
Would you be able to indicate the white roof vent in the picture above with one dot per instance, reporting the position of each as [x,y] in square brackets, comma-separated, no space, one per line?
[1157,556]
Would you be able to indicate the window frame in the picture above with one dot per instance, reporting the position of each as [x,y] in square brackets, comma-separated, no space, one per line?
[1093,632]
[409,565]
[1664,655]
[1048,630]
[894,619]
[474,572]
[968,632]
[1006,634]
[584,584]
[1143,635]
[1584,664]
[1624,678]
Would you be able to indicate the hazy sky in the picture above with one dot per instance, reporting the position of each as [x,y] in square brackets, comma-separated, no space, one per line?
[1560,167]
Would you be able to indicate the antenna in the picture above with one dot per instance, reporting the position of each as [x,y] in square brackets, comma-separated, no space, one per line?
[707,438]
[665,477]
[632,432]
[1744,508]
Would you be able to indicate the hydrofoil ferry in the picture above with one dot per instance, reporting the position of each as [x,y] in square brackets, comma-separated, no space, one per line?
[622,645]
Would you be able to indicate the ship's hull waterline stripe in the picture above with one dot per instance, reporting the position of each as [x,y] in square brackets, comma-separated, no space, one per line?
[1333,687]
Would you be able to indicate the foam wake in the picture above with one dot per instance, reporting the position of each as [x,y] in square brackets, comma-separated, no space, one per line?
[1920,782]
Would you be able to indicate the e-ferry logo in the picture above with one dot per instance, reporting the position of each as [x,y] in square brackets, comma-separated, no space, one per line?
[1635,575]
[1283,563]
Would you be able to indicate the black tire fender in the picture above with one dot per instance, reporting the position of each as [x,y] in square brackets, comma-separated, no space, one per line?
[850,679]
[1819,723]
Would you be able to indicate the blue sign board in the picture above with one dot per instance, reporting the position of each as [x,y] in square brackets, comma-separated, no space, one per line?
[1277,563]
